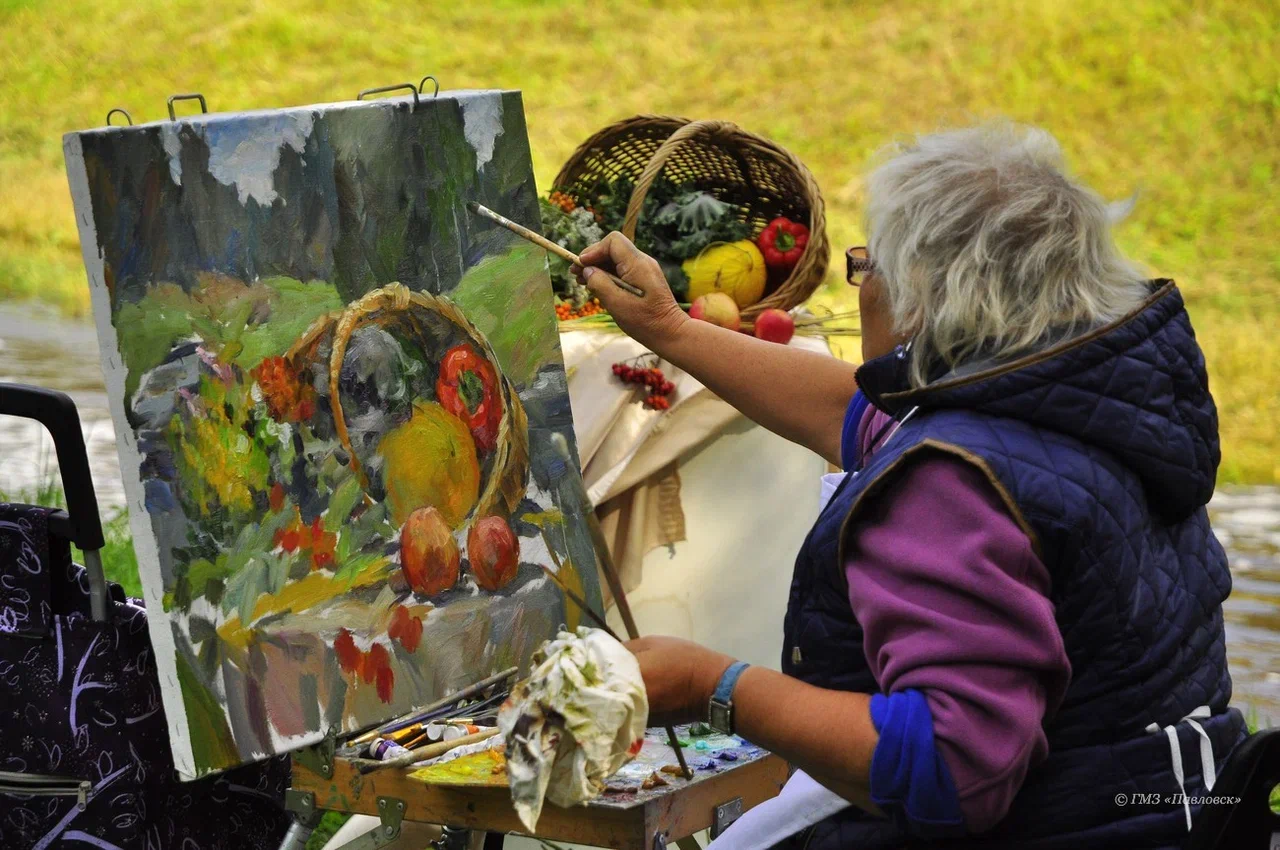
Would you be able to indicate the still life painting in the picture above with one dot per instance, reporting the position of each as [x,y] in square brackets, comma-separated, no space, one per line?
[334,393]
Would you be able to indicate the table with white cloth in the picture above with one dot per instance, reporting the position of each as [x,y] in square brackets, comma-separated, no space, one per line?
[704,511]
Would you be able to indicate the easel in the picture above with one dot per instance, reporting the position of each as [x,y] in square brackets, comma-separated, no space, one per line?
[323,782]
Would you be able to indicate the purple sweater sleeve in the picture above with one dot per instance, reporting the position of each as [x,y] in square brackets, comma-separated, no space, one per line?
[953,602]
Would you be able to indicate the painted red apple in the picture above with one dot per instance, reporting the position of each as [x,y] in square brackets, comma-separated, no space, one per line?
[718,308]
[429,556]
[494,551]
[774,325]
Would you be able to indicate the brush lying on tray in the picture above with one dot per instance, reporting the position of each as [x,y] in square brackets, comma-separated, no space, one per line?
[465,717]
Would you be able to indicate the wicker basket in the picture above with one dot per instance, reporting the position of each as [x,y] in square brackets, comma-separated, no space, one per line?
[421,315]
[761,180]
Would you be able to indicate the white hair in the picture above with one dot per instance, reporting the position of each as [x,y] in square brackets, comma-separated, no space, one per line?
[985,245]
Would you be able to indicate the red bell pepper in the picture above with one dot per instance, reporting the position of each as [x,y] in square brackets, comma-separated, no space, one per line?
[468,388]
[782,242]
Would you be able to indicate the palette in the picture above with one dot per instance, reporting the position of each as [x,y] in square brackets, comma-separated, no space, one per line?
[653,773]
[634,783]
[471,792]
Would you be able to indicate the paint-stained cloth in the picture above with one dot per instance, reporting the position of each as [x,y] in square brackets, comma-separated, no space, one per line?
[578,717]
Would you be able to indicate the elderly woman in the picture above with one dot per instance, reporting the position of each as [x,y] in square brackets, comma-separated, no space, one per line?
[1009,613]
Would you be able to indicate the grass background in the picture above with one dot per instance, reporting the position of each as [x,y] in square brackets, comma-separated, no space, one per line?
[1175,100]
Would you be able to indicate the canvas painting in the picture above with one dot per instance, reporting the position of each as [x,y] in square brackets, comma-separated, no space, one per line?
[335,391]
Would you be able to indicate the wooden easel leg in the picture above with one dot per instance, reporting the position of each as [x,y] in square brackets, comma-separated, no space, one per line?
[690,843]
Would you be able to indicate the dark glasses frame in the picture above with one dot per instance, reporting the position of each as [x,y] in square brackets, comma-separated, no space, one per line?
[858,266]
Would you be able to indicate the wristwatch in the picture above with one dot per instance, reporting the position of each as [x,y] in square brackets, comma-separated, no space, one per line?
[720,709]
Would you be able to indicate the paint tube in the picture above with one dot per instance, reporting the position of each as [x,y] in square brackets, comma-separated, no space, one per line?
[382,749]
[450,730]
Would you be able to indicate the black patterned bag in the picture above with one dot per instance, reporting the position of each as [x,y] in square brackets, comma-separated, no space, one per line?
[84,748]
[84,745]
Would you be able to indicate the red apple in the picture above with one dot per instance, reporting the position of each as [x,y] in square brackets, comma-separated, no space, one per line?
[494,552]
[718,308]
[774,325]
[429,555]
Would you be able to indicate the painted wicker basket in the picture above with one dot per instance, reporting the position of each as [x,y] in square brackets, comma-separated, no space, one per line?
[757,177]
[423,317]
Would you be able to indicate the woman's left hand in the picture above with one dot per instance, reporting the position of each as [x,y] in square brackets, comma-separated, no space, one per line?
[679,675]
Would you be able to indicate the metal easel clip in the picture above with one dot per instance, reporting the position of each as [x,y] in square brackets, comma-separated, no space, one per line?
[124,112]
[381,89]
[204,107]
[301,804]
[390,815]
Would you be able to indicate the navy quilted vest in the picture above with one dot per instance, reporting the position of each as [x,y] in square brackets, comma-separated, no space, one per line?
[1105,449]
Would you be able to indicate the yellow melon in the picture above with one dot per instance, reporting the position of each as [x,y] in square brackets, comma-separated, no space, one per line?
[734,268]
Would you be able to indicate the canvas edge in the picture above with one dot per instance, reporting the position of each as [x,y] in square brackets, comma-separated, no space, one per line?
[163,646]
[593,590]
[213,117]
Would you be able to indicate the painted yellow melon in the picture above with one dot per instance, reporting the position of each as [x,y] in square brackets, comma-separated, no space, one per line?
[430,461]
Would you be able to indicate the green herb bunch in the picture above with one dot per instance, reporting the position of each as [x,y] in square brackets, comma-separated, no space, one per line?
[676,223]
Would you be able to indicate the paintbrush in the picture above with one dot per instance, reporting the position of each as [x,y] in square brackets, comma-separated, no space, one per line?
[540,240]
[421,714]
[573,597]
[423,753]
[581,603]
[610,572]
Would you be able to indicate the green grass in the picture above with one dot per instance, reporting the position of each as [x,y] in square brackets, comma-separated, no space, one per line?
[1177,100]
[330,823]
[119,563]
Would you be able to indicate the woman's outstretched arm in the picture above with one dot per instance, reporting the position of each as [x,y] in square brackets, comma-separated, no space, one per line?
[799,395]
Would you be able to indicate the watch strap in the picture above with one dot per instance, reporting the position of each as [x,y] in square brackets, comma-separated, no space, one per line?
[720,708]
[728,680]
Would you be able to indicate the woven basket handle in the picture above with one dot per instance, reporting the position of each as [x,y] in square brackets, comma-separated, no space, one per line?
[674,142]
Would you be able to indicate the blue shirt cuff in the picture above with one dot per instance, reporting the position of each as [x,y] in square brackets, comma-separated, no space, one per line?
[909,779]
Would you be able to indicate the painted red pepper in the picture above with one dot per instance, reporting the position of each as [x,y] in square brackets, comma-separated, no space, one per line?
[468,388]
[782,242]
